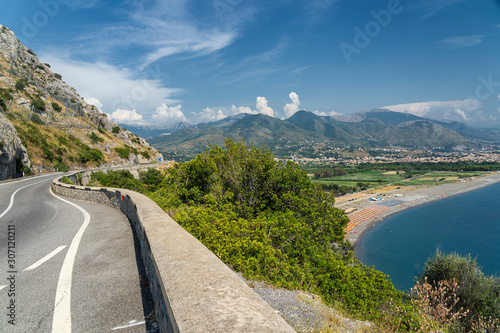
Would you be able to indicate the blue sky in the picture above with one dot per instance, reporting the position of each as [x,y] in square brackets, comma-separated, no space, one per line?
[160,62]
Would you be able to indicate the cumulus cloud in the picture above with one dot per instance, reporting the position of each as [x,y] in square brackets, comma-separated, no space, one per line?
[209,115]
[260,107]
[327,114]
[242,109]
[127,117]
[293,107]
[263,108]
[169,114]
[94,101]
[448,110]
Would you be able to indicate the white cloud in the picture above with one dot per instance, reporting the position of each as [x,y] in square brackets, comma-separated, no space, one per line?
[127,117]
[260,105]
[327,114]
[462,41]
[293,107]
[80,4]
[209,115]
[242,109]
[263,108]
[95,102]
[498,96]
[115,88]
[169,114]
[166,28]
[432,7]
[448,110]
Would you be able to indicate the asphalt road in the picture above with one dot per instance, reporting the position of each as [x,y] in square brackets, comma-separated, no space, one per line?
[67,265]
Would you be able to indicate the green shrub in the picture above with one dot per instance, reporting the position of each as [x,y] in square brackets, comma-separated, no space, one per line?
[119,178]
[61,166]
[88,154]
[123,152]
[5,96]
[2,145]
[146,155]
[58,76]
[36,119]
[115,129]
[477,293]
[21,84]
[94,138]
[38,103]
[40,67]
[66,180]
[267,220]
[48,65]
[101,130]
[151,177]
[56,107]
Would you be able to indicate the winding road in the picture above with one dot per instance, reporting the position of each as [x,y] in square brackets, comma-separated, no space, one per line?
[68,265]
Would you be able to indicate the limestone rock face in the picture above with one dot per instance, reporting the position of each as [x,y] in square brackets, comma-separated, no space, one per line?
[12,151]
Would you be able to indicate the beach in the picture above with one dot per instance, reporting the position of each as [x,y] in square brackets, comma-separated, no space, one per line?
[369,207]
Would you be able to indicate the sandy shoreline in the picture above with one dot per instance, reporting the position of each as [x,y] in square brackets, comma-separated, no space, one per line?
[393,200]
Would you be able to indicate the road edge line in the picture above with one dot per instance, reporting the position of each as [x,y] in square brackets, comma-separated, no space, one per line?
[61,322]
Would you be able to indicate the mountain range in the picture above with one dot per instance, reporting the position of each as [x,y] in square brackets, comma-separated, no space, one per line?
[365,129]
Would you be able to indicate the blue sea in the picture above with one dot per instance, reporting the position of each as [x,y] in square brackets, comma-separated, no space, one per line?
[468,223]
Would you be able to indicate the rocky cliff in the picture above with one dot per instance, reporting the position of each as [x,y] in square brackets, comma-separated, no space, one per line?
[46,119]
[13,155]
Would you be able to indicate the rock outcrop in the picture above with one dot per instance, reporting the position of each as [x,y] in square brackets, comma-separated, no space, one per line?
[13,155]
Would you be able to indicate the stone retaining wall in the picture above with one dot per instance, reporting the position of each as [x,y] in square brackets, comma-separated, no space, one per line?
[192,289]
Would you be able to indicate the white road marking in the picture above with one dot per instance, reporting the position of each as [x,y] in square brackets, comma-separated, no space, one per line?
[1,287]
[44,259]
[18,180]
[12,198]
[61,322]
[131,323]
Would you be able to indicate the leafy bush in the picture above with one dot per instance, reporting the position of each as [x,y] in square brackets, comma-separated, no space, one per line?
[267,220]
[38,103]
[56,107]
[123,152]
[88,154]
[101,130]
[61,166]
[146,155]
[4,97]
[40,67]
[48,65]
[2,145]
[152,177]
[119,178]
[94,138]
[66,180]
[115,129]
[21,84]
[58,76]
[36,119]
[477,293]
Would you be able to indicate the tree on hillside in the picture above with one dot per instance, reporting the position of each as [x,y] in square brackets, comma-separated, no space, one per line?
[267,220]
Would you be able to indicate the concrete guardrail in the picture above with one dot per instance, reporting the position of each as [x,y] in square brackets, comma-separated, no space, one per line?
[193,290]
